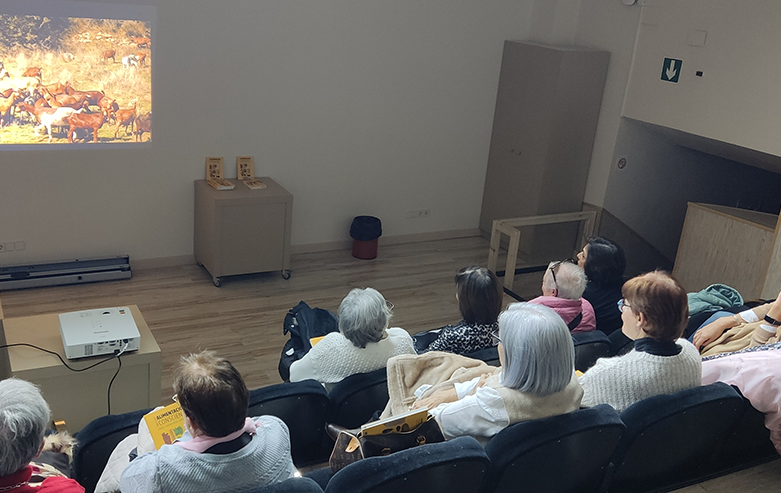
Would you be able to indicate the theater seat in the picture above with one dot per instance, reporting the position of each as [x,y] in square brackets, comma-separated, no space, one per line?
[669,437]
[490,355]
[354,400]
[458,465]
[567,453]
[97,440]
[302,406]
[589,347]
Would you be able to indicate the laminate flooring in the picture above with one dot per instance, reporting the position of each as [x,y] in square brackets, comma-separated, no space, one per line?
[242,319]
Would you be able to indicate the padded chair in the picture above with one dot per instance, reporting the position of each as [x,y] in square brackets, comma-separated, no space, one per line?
[97,440]
[489,355]
[302,406]
[458,465]
[354,400]
[669,437]
[566,453]
[746,445]
[589,347]
[292,485]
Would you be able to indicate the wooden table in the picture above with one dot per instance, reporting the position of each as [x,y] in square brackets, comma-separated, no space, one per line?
[78,398]
[242,231]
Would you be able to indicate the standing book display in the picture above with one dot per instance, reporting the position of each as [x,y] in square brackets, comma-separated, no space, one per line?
[245,170]
[215,174]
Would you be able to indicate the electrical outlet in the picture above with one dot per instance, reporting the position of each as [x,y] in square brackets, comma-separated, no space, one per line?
[19,245]
[10,246]
[418,213]
[2,247]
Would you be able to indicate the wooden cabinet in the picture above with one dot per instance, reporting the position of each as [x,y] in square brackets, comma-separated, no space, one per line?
[731,246]
[547,106]
[242,231]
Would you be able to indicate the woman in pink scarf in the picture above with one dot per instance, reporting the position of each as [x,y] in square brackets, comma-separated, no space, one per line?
[562,288]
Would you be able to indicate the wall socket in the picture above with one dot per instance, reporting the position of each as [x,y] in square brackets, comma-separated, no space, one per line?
[416,214]
[11,246]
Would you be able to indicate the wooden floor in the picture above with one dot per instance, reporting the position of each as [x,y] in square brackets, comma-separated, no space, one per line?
[242,320]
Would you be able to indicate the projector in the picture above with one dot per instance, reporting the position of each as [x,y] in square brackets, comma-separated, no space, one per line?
[100,331]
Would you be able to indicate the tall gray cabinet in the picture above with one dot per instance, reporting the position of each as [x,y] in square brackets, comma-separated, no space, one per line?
[547,107]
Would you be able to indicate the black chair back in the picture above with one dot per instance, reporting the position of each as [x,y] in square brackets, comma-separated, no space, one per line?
[490,355]
[302,406]
[355,399]
[97,440]
[458,465]
[669,437]
[566,453]
[589,347]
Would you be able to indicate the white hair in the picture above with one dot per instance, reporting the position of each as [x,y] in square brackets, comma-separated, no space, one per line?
[570,280]
[538,353]
[363,316]
[23,419]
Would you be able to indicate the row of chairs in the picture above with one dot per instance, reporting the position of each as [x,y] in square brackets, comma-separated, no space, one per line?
[658,443]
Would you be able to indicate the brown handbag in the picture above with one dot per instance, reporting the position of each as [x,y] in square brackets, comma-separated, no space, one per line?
[351,448]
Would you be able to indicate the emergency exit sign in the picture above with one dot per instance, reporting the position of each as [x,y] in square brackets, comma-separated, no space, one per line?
[671,70]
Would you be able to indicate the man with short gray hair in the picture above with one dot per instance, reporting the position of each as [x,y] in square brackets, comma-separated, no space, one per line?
[562,289]
[24,416]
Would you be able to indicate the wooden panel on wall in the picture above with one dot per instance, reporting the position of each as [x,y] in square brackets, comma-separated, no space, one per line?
[725,245]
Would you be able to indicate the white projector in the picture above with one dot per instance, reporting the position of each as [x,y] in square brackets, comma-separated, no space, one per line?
[100,331]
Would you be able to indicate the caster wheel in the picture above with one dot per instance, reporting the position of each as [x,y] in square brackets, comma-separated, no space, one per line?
[286,274]
[216,281]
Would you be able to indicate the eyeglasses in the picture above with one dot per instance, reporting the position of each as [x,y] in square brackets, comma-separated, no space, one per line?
[175,398]
[495,339]
[622,304]
[555,265]
[389,305]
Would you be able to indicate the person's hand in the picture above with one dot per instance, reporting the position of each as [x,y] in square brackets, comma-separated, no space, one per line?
[711,332]
[436,398]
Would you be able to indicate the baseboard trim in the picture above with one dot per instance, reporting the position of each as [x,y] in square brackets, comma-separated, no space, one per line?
[388,240]
[161,262]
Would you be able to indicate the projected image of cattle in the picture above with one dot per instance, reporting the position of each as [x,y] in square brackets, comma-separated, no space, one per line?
[65,80]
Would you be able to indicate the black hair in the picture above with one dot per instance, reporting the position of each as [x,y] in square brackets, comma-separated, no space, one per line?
[605,262]
[479,295]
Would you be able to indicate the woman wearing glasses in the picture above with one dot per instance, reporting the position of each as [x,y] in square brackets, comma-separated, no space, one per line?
[364,342]
[562,286]
[536,379]
[654,311]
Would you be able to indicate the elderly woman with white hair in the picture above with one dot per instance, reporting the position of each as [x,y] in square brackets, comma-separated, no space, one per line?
[24,416]
[562,289]
[536,379]
[364,342]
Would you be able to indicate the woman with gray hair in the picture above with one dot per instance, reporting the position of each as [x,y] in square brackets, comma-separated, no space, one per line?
[536,379]
[24,416]
[364,342]
[562,289]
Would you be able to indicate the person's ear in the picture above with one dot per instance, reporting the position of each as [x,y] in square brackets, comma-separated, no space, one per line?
[641,320]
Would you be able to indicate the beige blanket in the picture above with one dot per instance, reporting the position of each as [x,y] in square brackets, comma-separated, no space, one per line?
[407,372]
[740,337]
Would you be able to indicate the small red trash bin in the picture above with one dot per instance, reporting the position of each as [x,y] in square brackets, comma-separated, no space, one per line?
[365,232]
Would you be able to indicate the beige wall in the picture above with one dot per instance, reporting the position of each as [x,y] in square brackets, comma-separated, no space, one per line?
[355,106]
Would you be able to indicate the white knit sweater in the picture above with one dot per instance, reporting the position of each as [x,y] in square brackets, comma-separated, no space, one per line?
[623,380]
[335,358]
[264,460]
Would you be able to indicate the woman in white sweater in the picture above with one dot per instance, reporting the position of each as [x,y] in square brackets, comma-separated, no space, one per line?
[654,311]
[364,342]
[536,379]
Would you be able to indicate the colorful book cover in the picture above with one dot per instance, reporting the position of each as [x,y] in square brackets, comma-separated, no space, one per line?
[165,425]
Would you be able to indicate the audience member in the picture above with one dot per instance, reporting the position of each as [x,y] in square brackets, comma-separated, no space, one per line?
[363,344]
[603,262]
[479,296]
[562,286]
[725,332]
[654,312]
[227,451]
[536,378]
[24,416]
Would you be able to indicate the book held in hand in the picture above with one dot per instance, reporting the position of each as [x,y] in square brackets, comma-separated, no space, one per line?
[166,425]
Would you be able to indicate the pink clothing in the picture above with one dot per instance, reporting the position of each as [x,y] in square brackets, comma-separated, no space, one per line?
[758,376]
[569,309]
[202,443]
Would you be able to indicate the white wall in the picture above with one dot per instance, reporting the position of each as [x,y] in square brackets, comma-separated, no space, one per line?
[355,106]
